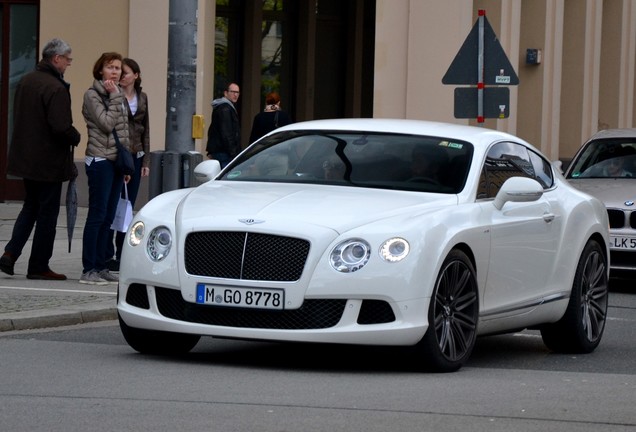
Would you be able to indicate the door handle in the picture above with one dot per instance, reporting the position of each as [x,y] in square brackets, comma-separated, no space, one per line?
[548,217]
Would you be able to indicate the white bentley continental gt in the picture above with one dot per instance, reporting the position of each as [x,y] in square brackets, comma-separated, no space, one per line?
[370,231]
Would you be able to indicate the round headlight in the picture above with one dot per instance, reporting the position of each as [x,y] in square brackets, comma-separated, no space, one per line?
[159,243]
[394,250]
[136,234]
[350,255]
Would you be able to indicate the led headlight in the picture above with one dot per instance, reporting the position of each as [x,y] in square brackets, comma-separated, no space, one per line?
[350,255]
[136,234]
[394,249]
[159,243]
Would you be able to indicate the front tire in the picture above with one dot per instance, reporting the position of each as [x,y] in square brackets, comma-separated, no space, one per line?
[452,316]
[581,327]
[157,342]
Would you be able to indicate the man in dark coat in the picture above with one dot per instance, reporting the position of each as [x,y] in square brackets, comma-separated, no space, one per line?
[224,134]
[41,153]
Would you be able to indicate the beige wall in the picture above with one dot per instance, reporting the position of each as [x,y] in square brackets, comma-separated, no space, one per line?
[415,43]
[391,49]
[148,45]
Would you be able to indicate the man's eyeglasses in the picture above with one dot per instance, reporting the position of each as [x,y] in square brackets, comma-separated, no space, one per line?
[234,91]
[68,59]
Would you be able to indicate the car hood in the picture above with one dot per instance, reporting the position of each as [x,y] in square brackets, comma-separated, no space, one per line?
[612,192]
[227,204]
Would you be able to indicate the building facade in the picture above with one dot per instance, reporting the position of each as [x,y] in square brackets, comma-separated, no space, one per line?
[334,58]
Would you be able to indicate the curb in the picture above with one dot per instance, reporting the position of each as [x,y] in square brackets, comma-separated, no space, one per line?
[46,320]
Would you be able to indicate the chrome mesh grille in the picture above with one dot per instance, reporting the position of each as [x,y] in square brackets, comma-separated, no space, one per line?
[248,256]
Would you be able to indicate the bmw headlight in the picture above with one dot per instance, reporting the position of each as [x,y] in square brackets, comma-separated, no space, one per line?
[394,249]
[136,234]
[350,255]
[159,243]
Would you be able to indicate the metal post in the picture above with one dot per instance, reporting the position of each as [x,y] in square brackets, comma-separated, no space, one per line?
[182,56]
[171,171]
[155,180]
[480,69]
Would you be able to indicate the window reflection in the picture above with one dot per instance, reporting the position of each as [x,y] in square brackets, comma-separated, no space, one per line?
[23,54]
[271,56]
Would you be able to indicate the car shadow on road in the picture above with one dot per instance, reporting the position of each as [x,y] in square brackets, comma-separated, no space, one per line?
[522,351]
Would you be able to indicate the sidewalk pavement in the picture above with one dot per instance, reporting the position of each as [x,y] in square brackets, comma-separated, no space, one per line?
[31,304]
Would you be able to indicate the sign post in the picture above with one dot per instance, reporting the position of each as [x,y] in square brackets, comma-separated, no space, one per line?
[482,48]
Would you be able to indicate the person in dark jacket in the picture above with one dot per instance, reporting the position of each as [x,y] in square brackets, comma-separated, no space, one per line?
[269,119]
[41,152]
[224,134]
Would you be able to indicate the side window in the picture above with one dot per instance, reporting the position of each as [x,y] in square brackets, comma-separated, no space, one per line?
[504,160]
[542,170]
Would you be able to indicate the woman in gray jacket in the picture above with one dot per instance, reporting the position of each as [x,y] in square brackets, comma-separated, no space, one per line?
[105,112]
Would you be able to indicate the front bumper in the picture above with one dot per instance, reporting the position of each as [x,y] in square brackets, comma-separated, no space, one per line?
[347,321]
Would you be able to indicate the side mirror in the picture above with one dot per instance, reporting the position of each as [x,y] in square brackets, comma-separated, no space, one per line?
[518,189]
[207,170]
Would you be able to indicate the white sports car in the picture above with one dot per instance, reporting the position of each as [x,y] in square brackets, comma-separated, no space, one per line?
[370,231]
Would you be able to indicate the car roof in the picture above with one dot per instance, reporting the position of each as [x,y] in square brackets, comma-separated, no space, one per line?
[614,133]
[478,136]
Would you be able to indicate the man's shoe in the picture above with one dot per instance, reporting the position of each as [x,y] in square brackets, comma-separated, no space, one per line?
[7,263]
[108,276]
[112,265]
[47,275]
[92,278]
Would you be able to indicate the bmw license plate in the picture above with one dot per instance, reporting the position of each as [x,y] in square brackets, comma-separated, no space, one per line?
[618,242]
[240,297]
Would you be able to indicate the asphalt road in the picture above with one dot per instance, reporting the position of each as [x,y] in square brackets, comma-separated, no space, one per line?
[86,378]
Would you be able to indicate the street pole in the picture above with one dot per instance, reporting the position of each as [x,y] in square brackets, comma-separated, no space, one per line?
[182,56]
[480,70]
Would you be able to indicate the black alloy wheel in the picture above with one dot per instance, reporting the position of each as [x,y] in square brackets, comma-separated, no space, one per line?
[581,327]
[452,316]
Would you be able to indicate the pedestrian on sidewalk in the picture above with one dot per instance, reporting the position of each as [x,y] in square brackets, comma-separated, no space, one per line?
[41,153]
[106,117]
[139,135]
[272,117]
[224,133]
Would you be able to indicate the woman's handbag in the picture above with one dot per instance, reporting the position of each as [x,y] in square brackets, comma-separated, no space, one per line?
[124,162]
[123,214]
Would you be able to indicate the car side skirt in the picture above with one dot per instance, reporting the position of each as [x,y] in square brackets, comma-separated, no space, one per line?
[527,314]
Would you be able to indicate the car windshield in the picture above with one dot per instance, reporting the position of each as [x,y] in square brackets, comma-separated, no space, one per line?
[372,160]
[606,158]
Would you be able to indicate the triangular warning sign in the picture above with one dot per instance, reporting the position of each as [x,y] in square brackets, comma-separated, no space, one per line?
[497,67]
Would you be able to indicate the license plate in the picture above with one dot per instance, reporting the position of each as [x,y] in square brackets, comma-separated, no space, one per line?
[618,242]
[240,297]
